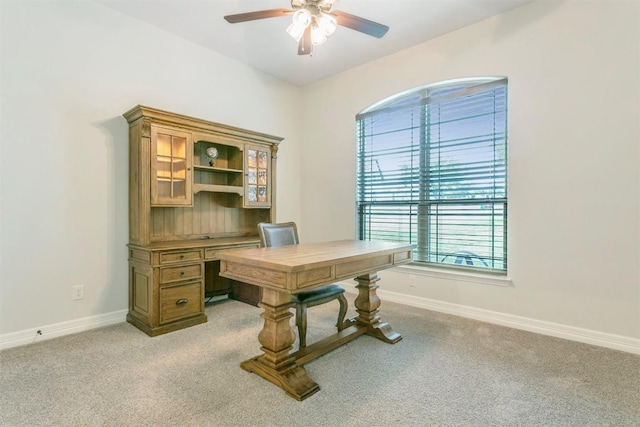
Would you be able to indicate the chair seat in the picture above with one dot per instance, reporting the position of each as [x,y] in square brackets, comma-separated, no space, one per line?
[318,294]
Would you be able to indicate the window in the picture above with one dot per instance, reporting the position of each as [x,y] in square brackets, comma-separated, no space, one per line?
[432,167]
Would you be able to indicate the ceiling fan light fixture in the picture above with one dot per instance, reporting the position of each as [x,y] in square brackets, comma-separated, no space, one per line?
[318,35]
[302,17]
[327,23]
[296,30]
[301,20]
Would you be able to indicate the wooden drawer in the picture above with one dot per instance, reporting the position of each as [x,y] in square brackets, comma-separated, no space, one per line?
[178,302]
[180,272]
[182,256]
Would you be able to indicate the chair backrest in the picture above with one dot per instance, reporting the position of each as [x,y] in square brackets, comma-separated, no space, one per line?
[285,233]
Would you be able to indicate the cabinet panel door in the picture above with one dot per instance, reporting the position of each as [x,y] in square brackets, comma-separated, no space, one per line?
[257,170]
[171,167]
[141,290]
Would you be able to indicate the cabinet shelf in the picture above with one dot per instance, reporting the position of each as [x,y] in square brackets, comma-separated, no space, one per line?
[212,188]
[216,169]
[165,159]
[169,179]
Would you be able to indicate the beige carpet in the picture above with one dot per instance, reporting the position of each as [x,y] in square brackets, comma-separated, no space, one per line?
[447,371]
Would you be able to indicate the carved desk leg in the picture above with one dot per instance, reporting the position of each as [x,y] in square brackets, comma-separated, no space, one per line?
[277,364]
[367,303]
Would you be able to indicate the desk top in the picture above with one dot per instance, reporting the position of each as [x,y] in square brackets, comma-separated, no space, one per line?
[202,243]
[306,256]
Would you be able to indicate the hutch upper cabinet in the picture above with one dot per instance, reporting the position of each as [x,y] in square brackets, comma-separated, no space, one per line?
[170,167]
[257,191]
[195,188]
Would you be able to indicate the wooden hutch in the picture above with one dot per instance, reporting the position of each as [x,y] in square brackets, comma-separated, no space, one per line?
[195,188]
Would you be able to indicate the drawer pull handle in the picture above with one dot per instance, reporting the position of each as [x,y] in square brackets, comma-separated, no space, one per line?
[181,256]
[182,273]
[182,301]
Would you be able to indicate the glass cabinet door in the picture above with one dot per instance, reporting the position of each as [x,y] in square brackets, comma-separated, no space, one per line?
[257,188]
[171,162]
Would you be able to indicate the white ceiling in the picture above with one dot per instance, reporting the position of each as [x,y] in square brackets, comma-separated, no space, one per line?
[265,45]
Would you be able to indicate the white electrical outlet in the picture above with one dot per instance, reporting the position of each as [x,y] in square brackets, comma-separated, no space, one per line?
[412,281]
[77,292]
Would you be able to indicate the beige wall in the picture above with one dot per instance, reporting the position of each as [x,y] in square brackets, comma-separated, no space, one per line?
[574,206]
[69,70]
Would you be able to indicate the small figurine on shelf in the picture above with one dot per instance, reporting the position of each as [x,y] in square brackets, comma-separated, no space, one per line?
[212,154]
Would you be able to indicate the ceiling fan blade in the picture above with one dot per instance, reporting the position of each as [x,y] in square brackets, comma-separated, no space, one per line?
[360,24]
[304,46]
[260,14]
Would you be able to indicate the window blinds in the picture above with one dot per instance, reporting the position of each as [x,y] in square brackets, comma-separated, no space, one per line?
[432,171]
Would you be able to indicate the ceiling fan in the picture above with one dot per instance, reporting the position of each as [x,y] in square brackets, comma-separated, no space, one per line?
[313,21]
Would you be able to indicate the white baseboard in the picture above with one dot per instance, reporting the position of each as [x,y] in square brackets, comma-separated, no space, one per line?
[55,330]
[616,342]
[587,336]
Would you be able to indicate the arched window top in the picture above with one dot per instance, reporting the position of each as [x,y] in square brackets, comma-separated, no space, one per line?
[433,92]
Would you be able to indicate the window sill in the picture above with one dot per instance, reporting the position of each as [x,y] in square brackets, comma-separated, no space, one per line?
[441,273]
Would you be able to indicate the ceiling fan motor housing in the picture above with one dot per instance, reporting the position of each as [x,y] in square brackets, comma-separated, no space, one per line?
[313,6]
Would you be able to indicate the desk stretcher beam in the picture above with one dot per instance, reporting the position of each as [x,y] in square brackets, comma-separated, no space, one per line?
[317,349]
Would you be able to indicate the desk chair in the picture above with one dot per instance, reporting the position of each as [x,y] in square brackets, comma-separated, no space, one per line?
[286,233]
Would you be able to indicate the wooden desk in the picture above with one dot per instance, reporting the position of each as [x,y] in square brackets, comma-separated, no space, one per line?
[285,270]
